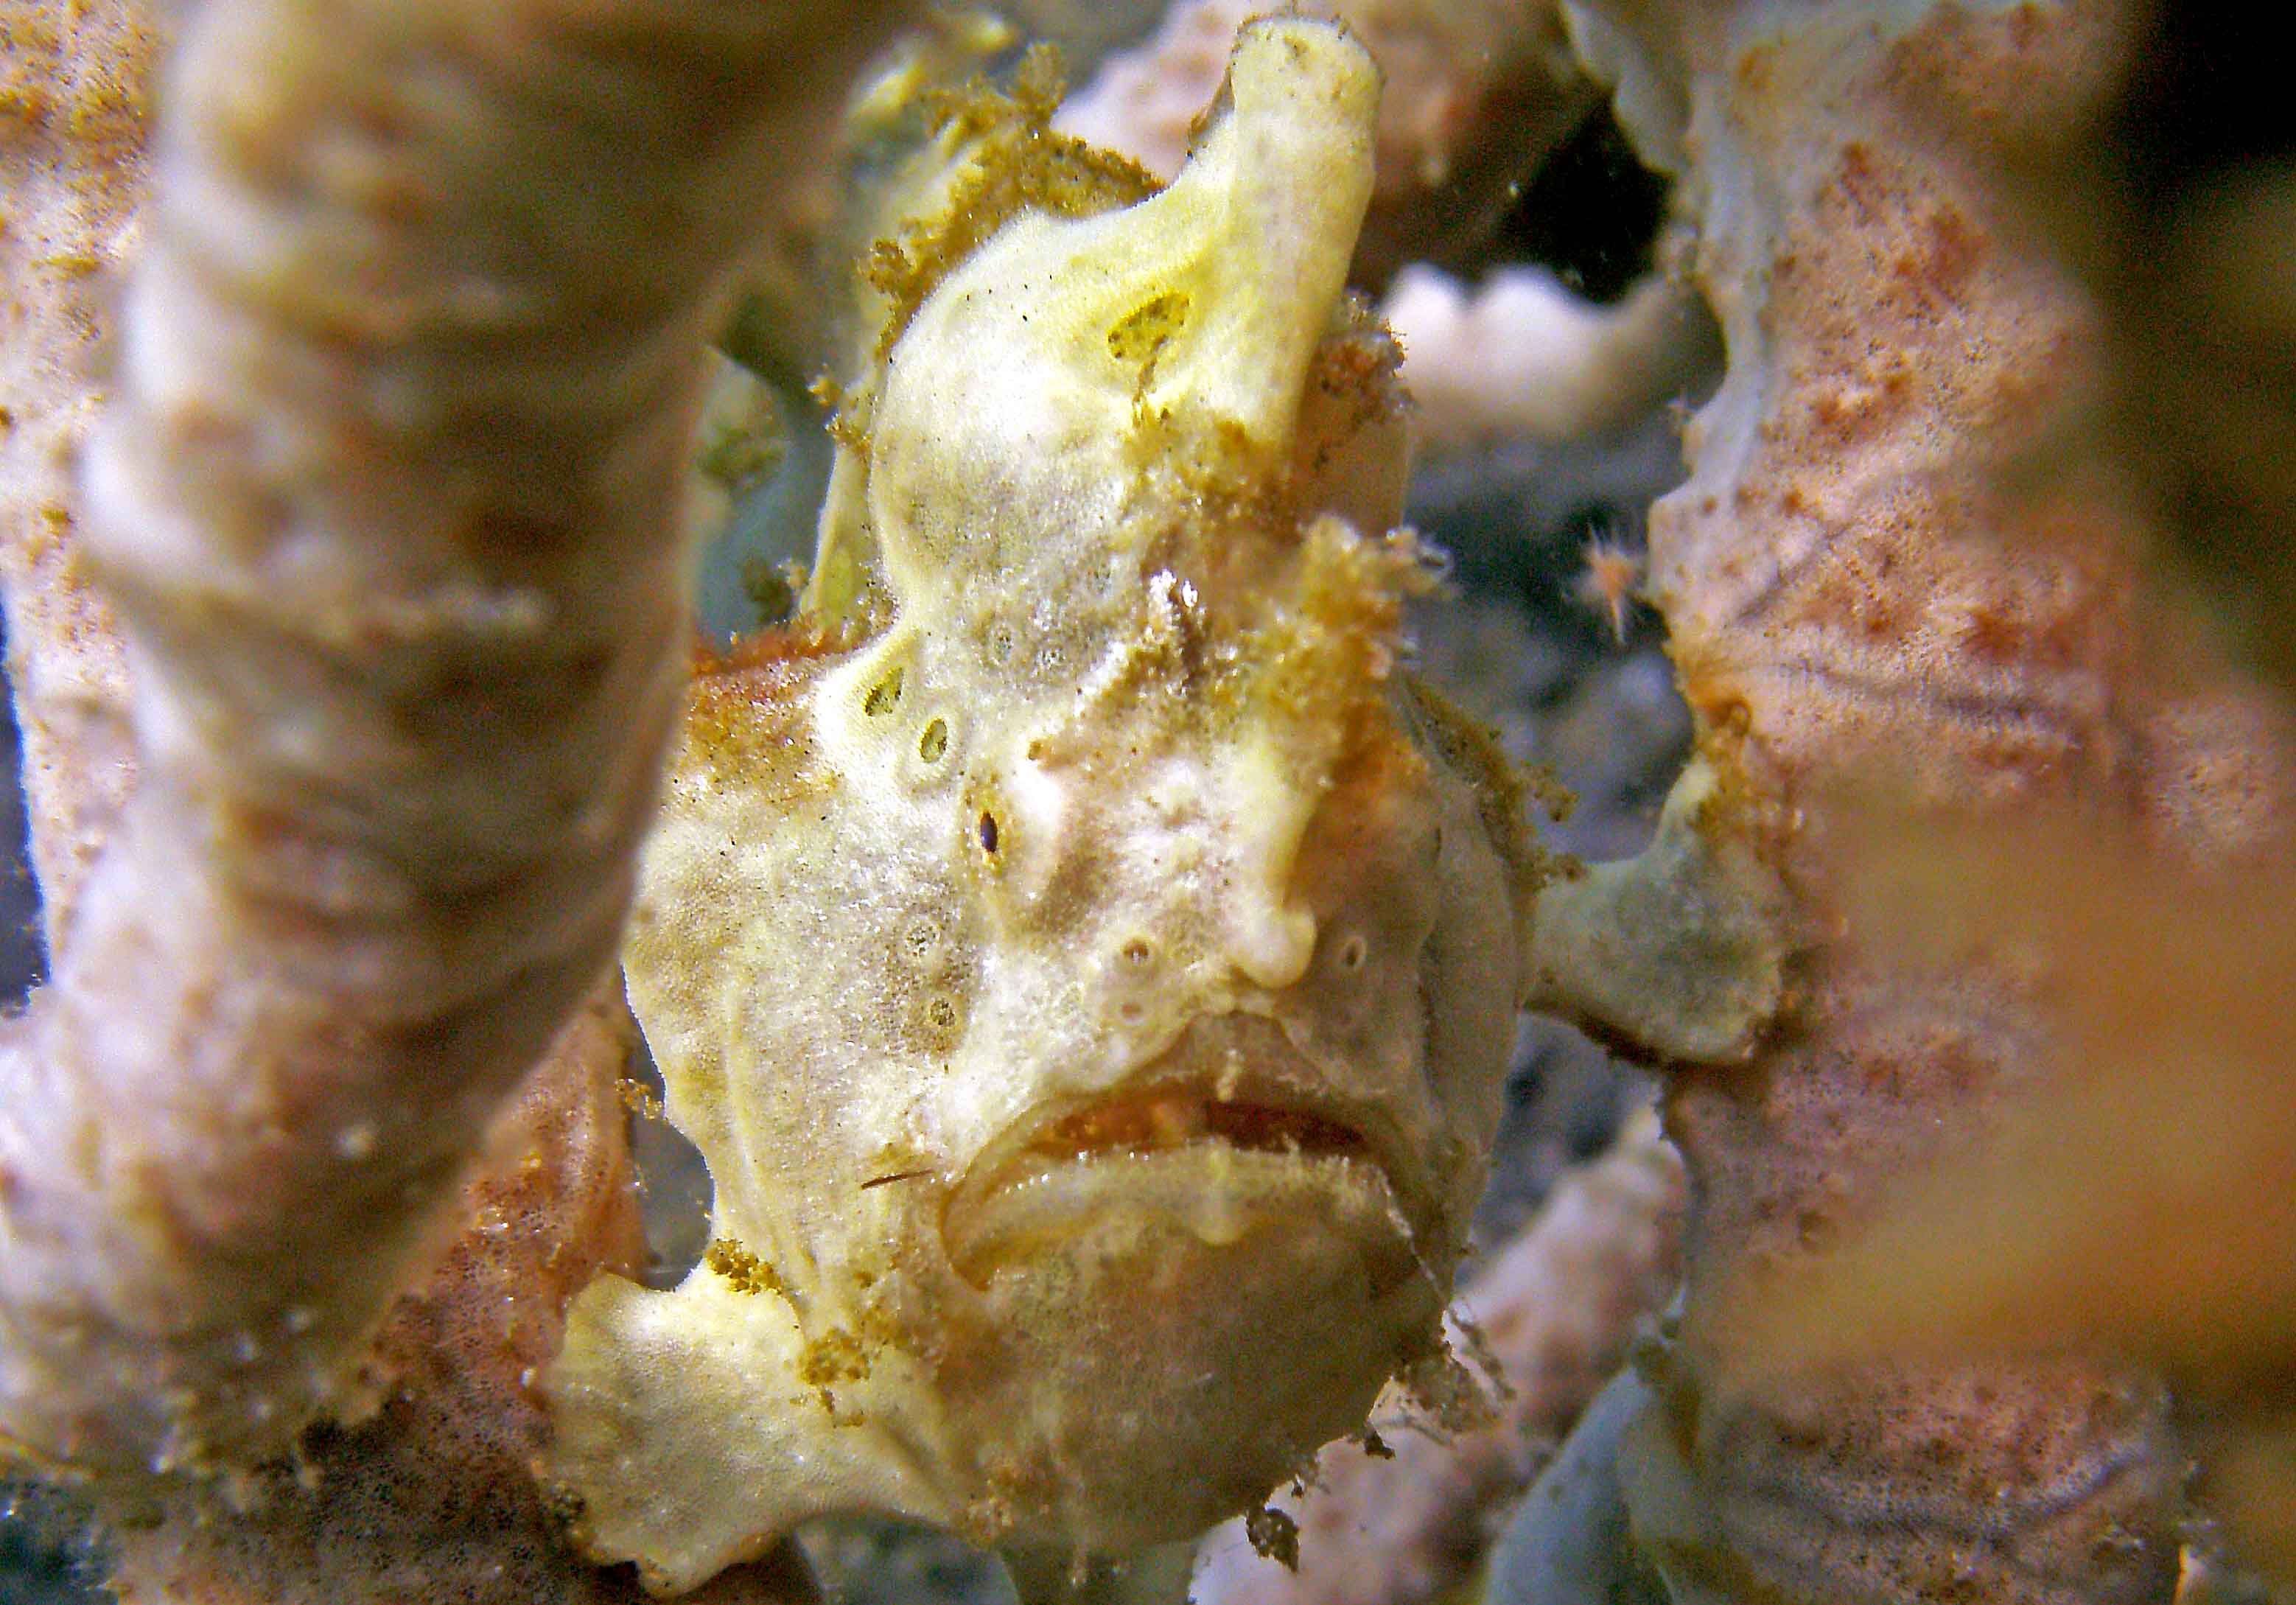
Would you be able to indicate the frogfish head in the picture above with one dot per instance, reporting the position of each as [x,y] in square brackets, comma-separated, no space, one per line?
[1091,987]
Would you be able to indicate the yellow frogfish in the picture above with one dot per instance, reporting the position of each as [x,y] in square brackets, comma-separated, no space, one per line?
[1090,976]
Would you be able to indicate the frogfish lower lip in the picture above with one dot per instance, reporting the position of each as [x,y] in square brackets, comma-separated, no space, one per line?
[1227,1132]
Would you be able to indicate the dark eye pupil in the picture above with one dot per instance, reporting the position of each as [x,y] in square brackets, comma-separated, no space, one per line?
[988,833]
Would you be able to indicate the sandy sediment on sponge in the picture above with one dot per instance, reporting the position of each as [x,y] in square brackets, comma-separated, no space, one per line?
[75,97]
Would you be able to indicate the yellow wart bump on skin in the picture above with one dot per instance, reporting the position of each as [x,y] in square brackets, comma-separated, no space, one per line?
[743,1271]
[1143,330]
